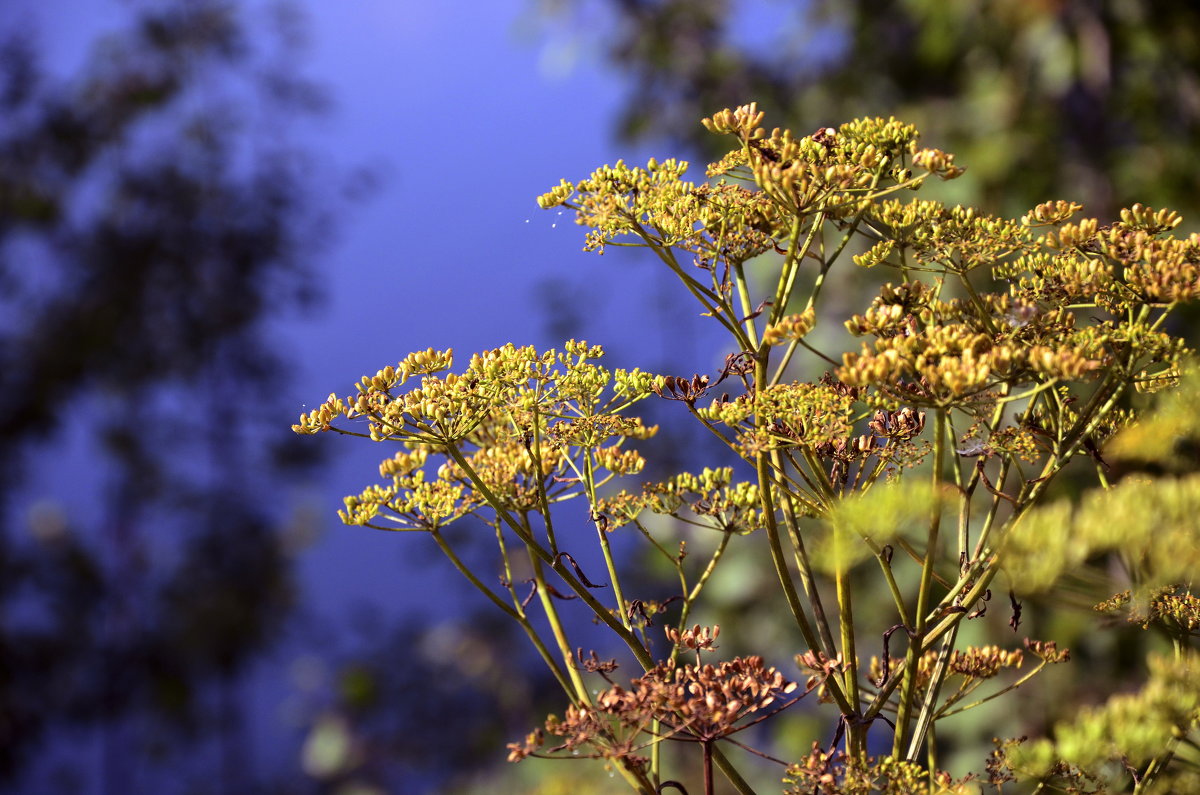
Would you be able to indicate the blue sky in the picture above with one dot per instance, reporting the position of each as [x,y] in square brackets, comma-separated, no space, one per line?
[463,118]
[470,116]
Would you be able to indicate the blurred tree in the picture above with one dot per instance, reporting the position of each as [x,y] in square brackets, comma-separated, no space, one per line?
[152,217]
[1096,102]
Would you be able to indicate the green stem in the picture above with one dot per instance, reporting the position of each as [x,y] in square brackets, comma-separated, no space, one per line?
[897,597]
[751,331]
[987,572]
[600,611]
[855,730]
[985,532]
[730,772]
[535,453]
[605,547]
[781,567]
[765,491]
[556,628]
[1156,766]
[708,570]
[713,304]
[929,708]
[981,310]
[786,359]
[513,613]
[470,575]
[803,565]
[712,428]
[791,265]
[912,661]
[1013,686]
[932,759]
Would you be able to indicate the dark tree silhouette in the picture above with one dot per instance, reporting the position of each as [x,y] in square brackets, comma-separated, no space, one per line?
[152,216]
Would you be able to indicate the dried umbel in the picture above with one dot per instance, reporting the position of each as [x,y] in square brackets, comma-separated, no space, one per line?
[701,703]
[1174,609]
[993,354]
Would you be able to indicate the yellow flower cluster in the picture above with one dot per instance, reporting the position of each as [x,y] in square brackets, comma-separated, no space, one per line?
[522,422]
[710,495]
[791,327]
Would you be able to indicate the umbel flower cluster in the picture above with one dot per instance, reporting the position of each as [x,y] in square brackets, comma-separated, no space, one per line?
[698,703]
[892,486]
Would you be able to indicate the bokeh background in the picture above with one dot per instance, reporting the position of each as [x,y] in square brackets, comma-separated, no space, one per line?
[212,214]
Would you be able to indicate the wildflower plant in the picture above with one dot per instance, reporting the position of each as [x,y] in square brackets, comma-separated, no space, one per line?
[994,354]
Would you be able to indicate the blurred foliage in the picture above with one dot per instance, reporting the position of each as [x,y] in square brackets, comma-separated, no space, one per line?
[152,216]
[1095,102]
[416,706]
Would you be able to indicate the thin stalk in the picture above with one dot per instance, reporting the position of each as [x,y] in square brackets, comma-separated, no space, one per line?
[823,486]
[706,748]
[913,659]
[765,484]
[946,714]
[730,772]
[1028,393]
[739,280]
[535,453]
[704,575]
[855,731]
[556,628]
[605,547]
[837,252]
[507,563]
[1098,407]
[662,550]
[791,265]
[879,468]
[928,709]
[712,428]
[813,491]
[820,355]
[656,755]
[989,521]
[981,310]
[908,549]
[786,359]
[819,282]
[717,308]
[785,576]
[1156,766]
[870,193]
[881,698]
[800,554]
[470,575]
[691,596]
[599,610]
[987,573]
[932,759]
[965,491]
[894,587]
[513,613]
